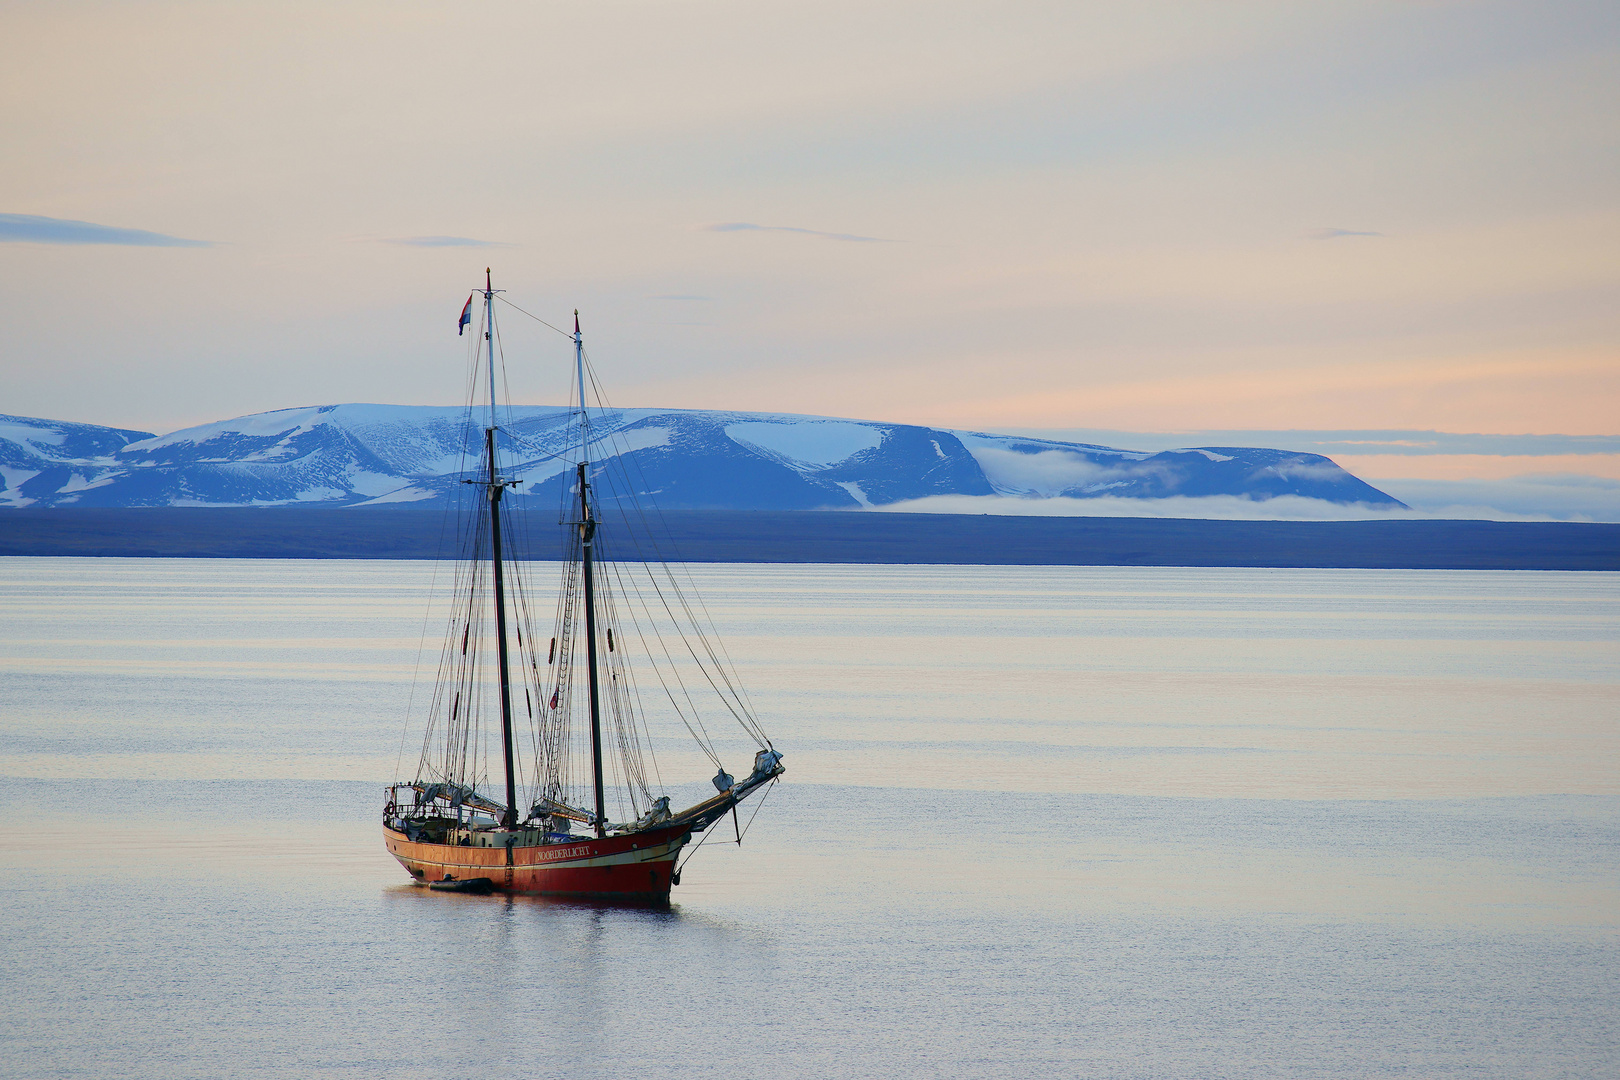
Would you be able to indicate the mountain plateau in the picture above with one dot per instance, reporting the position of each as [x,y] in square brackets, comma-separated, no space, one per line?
[377,455]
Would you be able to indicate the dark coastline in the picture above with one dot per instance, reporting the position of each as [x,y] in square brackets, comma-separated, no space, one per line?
[837,537]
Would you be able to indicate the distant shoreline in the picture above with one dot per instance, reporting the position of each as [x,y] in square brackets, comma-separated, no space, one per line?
[809,536]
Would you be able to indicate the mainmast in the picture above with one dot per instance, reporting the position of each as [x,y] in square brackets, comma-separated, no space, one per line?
[587,533]
[496,486]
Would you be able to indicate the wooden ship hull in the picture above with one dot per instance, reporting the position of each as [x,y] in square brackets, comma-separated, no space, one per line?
[638,867]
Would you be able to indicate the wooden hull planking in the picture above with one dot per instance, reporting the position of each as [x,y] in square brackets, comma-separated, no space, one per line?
[634,867]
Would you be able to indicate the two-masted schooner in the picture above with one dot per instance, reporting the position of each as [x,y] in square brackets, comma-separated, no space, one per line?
[543,824]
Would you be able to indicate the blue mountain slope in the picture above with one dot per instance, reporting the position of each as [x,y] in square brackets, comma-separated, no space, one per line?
[359,455]
[759,462]
[1037,467]
[43,462]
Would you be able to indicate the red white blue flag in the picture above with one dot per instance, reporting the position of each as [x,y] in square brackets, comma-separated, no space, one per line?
[466,316]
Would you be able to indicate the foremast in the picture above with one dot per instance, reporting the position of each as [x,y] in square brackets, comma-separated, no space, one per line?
[587,536]
[495,485]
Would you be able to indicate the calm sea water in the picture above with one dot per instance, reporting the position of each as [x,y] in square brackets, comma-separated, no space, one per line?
[1051,821]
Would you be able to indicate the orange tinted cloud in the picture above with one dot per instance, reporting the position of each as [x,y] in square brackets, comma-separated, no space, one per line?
[1525,393]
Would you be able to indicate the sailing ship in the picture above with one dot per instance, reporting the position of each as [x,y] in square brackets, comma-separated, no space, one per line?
[542,824]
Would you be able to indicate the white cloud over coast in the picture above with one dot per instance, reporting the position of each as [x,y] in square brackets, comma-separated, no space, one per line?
[1440,503]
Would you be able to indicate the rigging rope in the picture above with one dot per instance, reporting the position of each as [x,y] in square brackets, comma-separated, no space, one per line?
[456,737]
[536,318]
[742,833]
[745,716]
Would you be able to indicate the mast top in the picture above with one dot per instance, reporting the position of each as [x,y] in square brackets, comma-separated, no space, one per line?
[486,280]
[579,376]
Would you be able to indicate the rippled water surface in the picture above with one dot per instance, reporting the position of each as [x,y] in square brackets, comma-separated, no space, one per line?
[1038,821]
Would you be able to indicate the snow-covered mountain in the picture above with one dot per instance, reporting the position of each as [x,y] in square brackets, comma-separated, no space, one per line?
[368,455]
[57,461]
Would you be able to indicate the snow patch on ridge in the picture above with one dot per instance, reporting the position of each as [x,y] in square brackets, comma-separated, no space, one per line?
[15,479]
[78,482]
[370,483]
[28,433]
[287,422]
[625,442]
[855,491]
[404,494]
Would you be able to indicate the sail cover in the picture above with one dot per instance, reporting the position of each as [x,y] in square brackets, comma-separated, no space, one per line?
[456,794]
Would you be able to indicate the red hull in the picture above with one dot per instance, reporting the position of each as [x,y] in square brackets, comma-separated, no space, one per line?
[635,867]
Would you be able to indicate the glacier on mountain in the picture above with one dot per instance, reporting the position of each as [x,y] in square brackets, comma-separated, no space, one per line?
[375,455]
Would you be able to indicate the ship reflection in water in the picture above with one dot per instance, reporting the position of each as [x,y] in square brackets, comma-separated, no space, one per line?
[1043,821]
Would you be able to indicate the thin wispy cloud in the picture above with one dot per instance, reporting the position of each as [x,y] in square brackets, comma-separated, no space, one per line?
[32,229]
[748,226]
[1334,234]
[442,242]
[1402,442]
[1561,496]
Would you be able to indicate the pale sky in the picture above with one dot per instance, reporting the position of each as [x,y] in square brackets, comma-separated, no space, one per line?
[1142,216]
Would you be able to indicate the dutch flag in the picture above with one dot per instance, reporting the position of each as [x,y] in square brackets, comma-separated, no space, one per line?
[466,316]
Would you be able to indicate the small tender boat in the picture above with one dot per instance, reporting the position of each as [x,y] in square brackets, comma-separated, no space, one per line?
[449,826]
[478,886]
